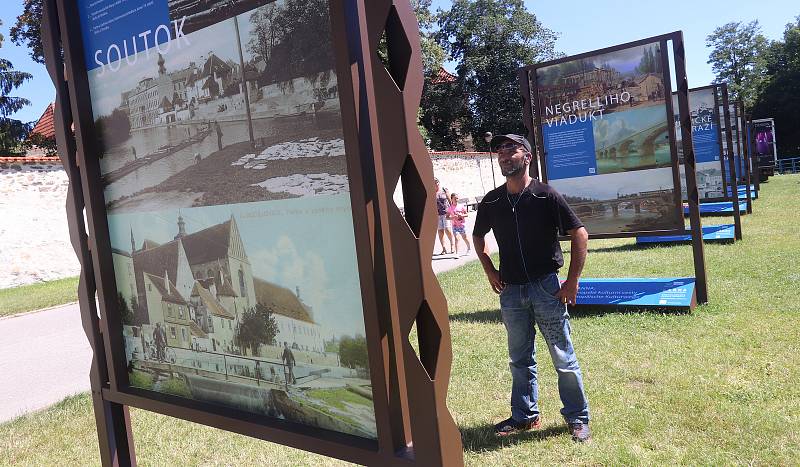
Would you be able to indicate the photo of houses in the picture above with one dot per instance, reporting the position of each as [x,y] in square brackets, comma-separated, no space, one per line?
[611,82]
[247,306]
[705,142]
[624,202]
[244,108]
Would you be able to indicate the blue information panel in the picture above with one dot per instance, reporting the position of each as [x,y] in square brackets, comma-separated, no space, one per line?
[711,233]
[114,30]
[722,207]
[705,140]
[605,131]
[644,292]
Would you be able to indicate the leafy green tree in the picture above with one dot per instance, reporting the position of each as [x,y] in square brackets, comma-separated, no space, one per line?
[353,352]
[490,40]
[443,105]
[12,132]
[737,58]
[26,31]
[650,63]
[256,327]
[779,94]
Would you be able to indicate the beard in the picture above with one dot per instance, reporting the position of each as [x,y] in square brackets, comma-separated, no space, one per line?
[513,169]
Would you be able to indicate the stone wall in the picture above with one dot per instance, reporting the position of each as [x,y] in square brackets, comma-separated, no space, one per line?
[467,174]
[34,237]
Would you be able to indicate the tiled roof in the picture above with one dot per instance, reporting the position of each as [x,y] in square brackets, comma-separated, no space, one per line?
[208,244]
[281,300]
[211,303]
[155,261]
[30,160]
[197,331]
[45,125]
[172,295]
[226,289]
[443,76]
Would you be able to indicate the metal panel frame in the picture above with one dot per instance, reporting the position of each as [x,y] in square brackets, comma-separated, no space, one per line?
[533,124]
[399,288]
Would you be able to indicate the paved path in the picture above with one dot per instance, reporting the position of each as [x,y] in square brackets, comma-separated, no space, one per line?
[447,262]
[45,356]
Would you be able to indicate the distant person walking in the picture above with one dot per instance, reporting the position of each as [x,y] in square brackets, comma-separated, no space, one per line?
[160,339]
[218,129]
[458,216]
[442,203]
[526,217]
[288,365]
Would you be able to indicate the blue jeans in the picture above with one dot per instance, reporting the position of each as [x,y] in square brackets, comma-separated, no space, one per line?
[523,307]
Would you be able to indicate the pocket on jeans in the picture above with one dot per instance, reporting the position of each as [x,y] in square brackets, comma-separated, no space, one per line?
[509,297]
[550,285]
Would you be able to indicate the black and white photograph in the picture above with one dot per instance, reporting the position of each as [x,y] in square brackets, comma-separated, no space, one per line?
[252,100]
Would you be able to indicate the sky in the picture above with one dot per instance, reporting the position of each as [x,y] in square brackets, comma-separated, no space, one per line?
[583,26]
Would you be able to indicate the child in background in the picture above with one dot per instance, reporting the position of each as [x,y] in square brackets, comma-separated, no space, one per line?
[458,215]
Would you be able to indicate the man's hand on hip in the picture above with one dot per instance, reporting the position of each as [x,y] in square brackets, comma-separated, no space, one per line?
[568,293]
[494,280]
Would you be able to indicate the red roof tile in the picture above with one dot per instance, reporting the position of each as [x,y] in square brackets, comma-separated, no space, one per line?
[443,76]
[45,125]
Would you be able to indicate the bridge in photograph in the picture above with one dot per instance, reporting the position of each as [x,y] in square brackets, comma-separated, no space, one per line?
[648,200]
[643,143]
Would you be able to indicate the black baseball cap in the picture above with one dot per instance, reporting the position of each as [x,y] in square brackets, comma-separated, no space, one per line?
[511,137]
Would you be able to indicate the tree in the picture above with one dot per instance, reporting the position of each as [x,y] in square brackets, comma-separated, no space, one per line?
[490,40]
[125,311]
[26,32]
[779,94]
[112,129]
[12,132]
[256,327]
[353,352]
[737,58]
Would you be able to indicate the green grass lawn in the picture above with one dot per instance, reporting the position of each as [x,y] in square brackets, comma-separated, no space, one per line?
[718,386]
[37,296]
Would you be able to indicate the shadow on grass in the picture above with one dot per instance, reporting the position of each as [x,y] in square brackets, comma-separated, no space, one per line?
[482,316]
[585,311]
[632,247]
[482,438]
[596,311]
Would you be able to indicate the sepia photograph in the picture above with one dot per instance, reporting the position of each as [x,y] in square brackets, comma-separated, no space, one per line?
[251,99]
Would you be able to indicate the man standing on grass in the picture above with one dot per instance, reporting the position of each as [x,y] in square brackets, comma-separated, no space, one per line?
[526,217]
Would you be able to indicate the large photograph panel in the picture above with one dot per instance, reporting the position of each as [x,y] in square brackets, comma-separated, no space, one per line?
[705,141]
[605,129]
[177,125]
[225,179]
[248,306]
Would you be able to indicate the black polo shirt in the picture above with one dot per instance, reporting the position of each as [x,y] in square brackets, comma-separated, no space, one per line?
[526,227]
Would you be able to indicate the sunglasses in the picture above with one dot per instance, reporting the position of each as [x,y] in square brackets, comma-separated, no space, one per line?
[507,146]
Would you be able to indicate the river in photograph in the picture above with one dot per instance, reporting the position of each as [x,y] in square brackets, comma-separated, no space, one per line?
[148,141]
